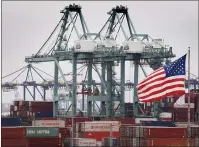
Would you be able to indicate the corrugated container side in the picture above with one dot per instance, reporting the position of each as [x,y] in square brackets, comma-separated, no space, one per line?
[44,142]
[169,142]
[12,133]
[14,142]
[164,132]
[85,142]
[100,127]
[98,135]
[43,132]
[65,132]
[44,114]
[126,142]
[10,121]
[49,123]
[11,107]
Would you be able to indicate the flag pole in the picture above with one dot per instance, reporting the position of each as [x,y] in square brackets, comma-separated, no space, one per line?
[188,127]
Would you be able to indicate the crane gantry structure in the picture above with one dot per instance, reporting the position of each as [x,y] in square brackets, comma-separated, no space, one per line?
[93,49]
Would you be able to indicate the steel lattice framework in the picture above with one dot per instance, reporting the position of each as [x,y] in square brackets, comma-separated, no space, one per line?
[93,49]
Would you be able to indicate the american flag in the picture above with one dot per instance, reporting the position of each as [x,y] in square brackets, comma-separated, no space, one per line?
[163,82]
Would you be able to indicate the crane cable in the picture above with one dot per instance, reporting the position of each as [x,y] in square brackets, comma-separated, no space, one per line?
[49,37]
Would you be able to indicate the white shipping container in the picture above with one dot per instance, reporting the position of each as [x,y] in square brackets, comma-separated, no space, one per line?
[137,120]
[99,126]
[184,105]
[99,143]
[49,123]
[15,108]
[85,142]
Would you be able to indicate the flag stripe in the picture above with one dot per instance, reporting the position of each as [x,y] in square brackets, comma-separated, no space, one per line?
[160,78]
[156,98]
[160,72]
[158,84]
[160,90]
[166,92]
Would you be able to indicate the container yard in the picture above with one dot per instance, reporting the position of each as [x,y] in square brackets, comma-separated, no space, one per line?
[102,117]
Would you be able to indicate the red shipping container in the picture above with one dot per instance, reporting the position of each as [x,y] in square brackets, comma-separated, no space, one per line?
[126,142]
[11,107]
[41,108]
[49,118]
[44,142]
[75,120]
[12,132]
[65,132]
[14,142]
[160,142]
[124,120]
[192,97]
[163,132]
[98,135]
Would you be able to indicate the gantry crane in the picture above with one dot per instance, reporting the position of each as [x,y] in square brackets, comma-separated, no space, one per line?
[29,82]
[90,50]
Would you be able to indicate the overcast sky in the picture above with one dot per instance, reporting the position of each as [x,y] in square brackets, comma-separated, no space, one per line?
[27,25]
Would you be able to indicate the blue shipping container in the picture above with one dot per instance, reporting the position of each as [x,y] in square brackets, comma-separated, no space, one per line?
[44,114]
[6,121]
[160,123]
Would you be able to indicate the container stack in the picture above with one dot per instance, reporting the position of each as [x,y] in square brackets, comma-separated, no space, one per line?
[21,109]
[30,110]
[155,136]
[98,130]
[41,109]
[13,137]
[43,136]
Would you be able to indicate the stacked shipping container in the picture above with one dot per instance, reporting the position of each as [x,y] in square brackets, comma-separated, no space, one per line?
[30,110]
[155,136]
[97,130]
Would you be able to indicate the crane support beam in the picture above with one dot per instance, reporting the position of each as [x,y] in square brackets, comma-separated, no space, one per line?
[74,89]
[122,87]
[103,73]
[89,103]
[109,106]
[135,96]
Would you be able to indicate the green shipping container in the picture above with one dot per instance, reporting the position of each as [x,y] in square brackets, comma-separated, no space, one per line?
[42,132]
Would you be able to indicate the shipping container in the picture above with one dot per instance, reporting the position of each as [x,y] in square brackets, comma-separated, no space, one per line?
[162,132]
[13,132]
[137,120]
[167,116]
[75,120]
[11,121]
[42,132]
[158,123]
[159,142]
[107,142]
[85,142]
[99,143]
[44,114]
[124,142]
[65,132]
[44,142]
[49,118]
[49,123]
[100,126]
[97,135]
[122,120]
[14,142]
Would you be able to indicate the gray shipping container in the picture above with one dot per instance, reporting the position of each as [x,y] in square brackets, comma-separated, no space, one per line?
[42,132]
